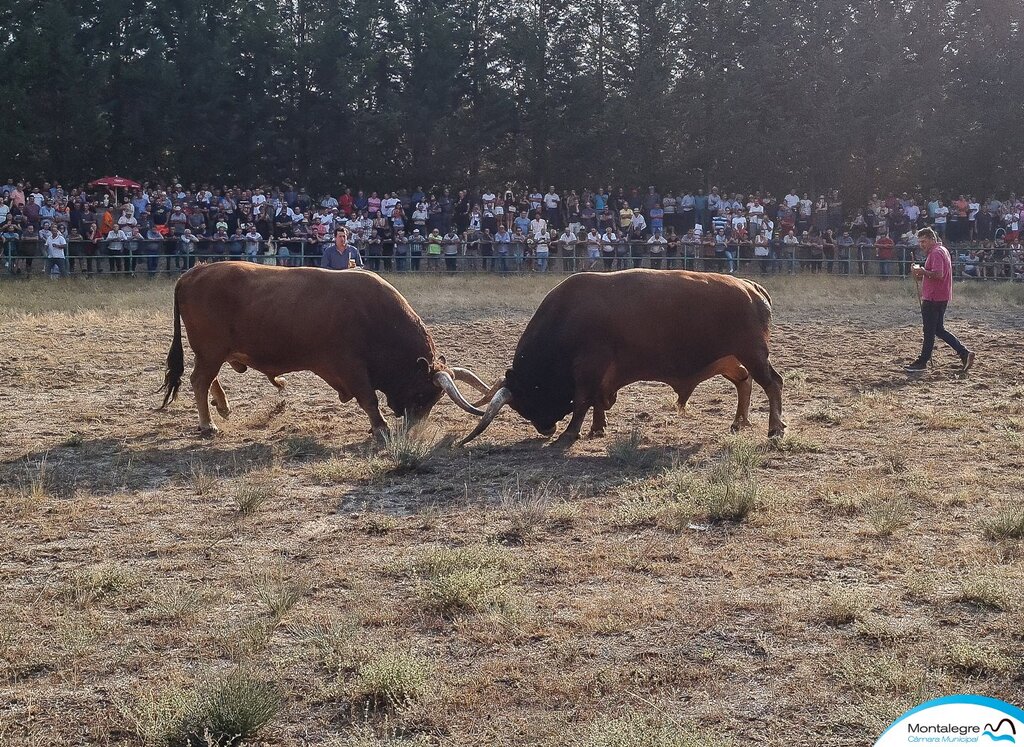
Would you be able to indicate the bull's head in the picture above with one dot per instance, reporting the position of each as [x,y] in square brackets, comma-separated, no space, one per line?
[532,405]
[435,380]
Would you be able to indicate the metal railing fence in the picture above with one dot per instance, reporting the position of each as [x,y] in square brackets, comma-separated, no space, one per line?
[26,257]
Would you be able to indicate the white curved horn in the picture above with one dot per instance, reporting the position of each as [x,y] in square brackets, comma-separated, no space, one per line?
[446,382]
[500,399]
[467,376]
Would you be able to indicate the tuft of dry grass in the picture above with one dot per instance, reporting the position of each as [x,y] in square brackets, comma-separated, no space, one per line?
[278,592]
[630,452]
[202,481]
[888,512]
[1006,524]
[827,414]
[985,592]
[176,602]
[841,605]
[249,496]
[300,448]
[525,509]
[407,450]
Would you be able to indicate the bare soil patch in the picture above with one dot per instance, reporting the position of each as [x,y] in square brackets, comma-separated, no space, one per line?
[667,584]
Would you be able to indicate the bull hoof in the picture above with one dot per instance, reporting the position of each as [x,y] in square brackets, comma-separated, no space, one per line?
[596,433]
[567,438]
[777,434]
[738,425]
[208,431]
[224,412]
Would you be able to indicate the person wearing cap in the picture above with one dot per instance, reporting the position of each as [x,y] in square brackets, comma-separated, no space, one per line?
[936,278]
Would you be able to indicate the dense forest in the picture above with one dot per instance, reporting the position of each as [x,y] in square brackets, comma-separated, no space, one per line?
[861,96]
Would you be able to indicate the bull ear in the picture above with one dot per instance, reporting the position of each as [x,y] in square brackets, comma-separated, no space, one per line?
[423,364]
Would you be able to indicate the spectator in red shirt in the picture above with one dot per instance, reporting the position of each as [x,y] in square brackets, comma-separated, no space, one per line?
[885,251]
[936,292]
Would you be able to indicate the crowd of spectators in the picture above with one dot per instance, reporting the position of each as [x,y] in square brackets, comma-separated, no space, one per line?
[165,228]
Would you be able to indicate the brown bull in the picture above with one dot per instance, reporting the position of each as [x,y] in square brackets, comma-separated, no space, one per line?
[596,333]
[350,328]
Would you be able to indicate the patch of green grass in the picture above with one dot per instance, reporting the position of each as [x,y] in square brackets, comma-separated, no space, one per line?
[985,592]
[222,712]
[465,579]
[644,730]
[1006,524]
[391,680]
[976,659]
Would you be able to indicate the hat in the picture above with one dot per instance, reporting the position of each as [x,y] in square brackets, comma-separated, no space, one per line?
[415,230]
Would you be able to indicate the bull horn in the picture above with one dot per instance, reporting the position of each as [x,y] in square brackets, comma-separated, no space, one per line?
[467,376]
[488,393]
[501,397]
[446,382]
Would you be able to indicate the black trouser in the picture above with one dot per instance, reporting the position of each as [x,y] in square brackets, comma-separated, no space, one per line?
[932,313]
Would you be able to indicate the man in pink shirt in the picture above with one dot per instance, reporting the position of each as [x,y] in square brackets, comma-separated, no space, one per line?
[936,291]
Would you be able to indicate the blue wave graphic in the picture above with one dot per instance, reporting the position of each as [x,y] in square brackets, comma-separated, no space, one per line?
[999,737]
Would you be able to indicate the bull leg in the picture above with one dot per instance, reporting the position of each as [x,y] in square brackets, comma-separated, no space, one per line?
[279,382]
[220,399]
[598,424]
[572,431]
[203,375]
[366,397]
[769,379]
[684,392]
[740,377]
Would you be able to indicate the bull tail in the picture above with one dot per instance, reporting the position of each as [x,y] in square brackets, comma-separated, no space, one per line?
[175,359]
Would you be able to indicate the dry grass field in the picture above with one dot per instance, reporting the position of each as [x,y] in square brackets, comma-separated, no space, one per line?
[667,585]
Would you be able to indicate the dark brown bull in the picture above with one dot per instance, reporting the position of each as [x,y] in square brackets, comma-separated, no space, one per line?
[597,332]
[350,328]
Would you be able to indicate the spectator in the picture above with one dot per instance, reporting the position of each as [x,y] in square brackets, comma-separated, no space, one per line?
[187,248]
[56,258]
[341,255]
[885,250]
[552,202]
[656,245]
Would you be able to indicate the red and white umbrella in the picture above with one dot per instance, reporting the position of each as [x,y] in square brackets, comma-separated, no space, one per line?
[117,182]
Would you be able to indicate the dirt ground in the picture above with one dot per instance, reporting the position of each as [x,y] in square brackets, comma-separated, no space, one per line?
[600,604]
